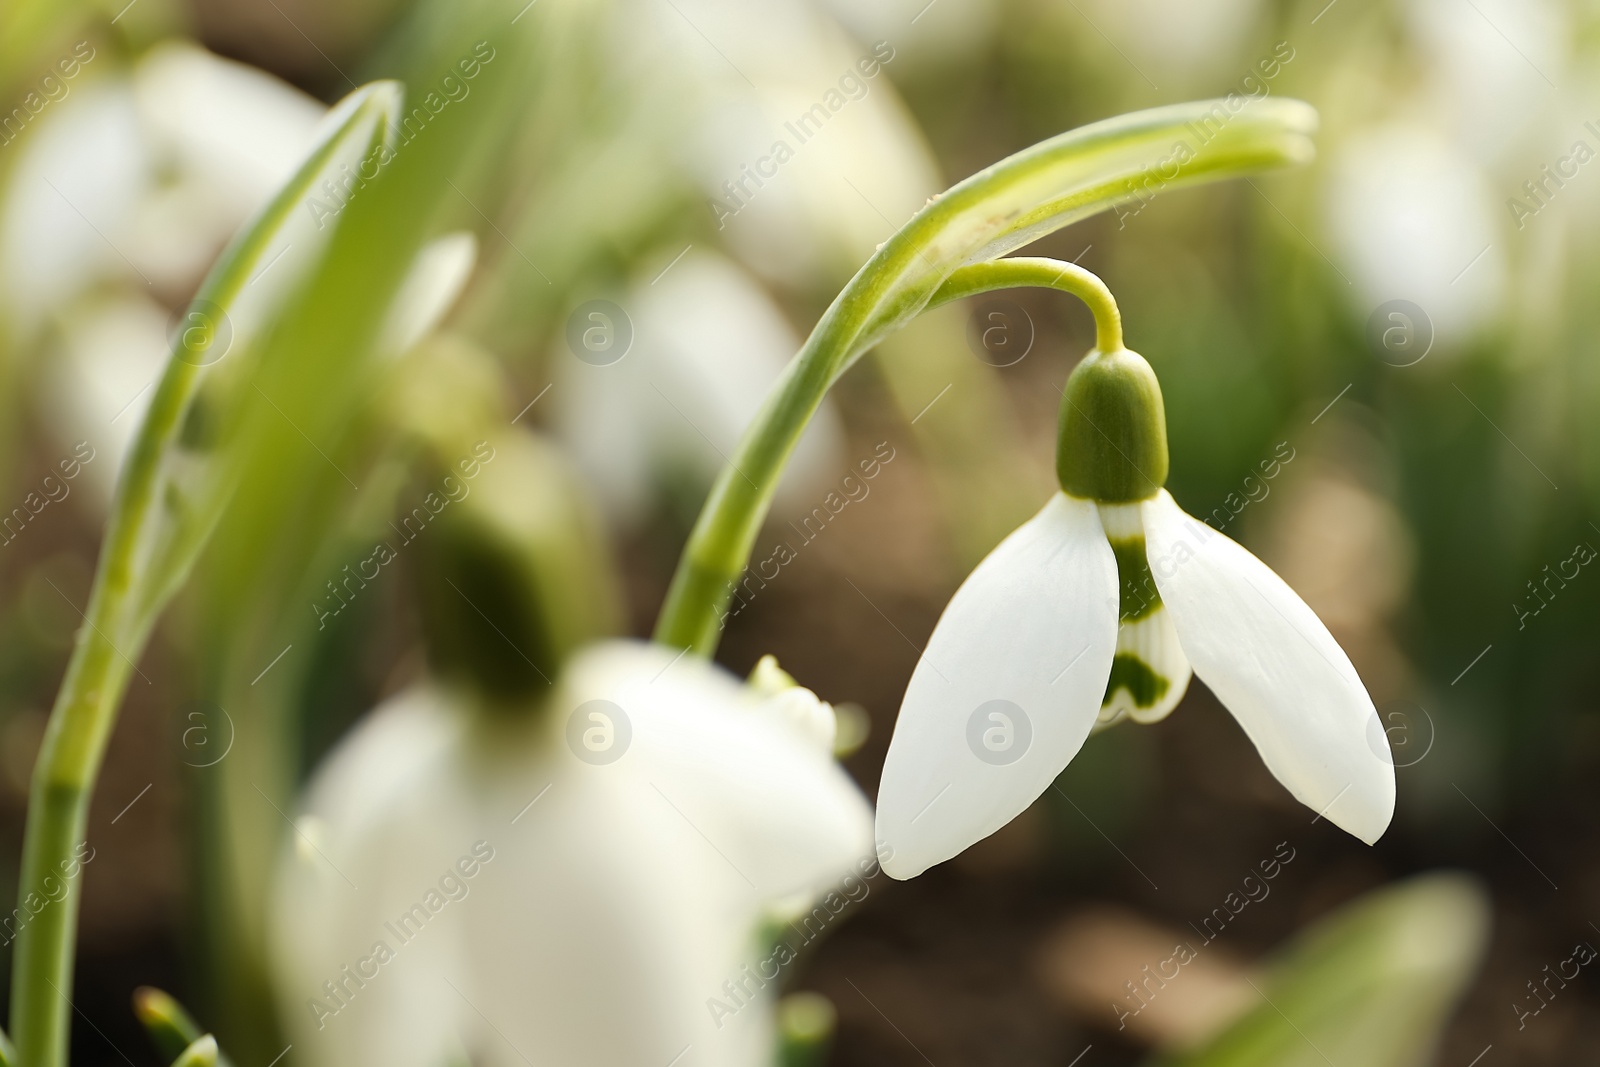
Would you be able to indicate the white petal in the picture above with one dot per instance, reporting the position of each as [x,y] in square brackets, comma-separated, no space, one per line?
[386,814]
[99,382]
[238,131]
[1272,663]
[437,276]
[1034,626]
[775,813]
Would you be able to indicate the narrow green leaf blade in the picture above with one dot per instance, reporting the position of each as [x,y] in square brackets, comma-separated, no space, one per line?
[170,1027]
[1057,182]
[175,459]
[1372,984]
[174,484]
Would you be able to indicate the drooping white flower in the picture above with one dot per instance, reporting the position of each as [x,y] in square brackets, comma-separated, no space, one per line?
[622,855]
[1102,606]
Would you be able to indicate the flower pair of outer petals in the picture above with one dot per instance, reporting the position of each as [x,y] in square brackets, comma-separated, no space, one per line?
[1035,629]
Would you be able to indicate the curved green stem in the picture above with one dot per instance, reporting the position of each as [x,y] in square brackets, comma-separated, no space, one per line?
[999,209]
[156,529]
[1033,272]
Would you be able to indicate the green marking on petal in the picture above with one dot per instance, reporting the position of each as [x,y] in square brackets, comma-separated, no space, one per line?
[1143,684]
[1139,597]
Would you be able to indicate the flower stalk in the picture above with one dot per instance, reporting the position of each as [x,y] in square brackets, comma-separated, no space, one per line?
[957,241]
[1028,272]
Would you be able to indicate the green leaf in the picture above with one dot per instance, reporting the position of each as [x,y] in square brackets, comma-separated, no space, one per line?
[172,1029]
[311,437]
[178,457]
[806,1025]
[175,483]
[1060,181]
[1373,984]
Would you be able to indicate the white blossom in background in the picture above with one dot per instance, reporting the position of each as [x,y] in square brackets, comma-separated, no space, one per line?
[746,75]
[611,896]
[110,354]
[97,383]
[1192,41]
[123,196]
[1491,74]
[1412,217]
[127,191]
[436,279]
[140,176]
[722,88]
[1418,206]
[708,344]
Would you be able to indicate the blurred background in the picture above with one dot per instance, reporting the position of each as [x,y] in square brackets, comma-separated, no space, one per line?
[1381,372]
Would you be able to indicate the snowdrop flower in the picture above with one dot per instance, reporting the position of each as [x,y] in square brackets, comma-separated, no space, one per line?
[572,890]
[119,202]
[110,352]
[795,133]
[140,177]
[1490,79]
[1184,41]
[1414,216]
[1100,607]
[707,344]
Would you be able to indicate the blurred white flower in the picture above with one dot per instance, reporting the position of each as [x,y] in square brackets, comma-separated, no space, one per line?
[139,178]
[813,210]
[110,353]
[620,860]
[1174,40]
[707,345]
[1492,71]
[932,34]
[1412,217]
[121,199]
[98,384]
[121,202]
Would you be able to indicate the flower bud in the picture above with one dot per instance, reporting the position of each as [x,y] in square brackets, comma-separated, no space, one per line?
[1112,446]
